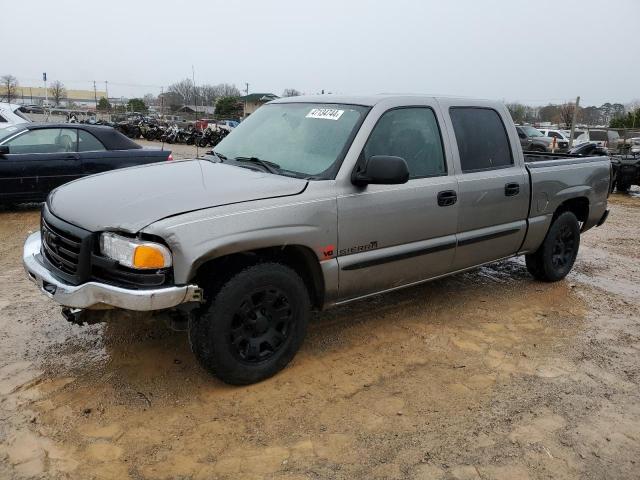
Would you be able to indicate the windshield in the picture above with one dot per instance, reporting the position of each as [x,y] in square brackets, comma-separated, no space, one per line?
[532,132]
[309,139]
[598,136]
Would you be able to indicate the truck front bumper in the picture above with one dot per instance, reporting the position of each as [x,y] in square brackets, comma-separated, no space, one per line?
[100,295]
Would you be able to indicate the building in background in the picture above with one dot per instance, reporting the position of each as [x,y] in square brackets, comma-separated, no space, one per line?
[253,101]
[26,95]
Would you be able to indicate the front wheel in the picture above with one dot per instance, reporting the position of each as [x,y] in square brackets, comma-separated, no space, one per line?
[254,324]
[557,254]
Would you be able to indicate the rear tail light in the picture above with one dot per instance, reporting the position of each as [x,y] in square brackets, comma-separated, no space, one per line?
[170,158]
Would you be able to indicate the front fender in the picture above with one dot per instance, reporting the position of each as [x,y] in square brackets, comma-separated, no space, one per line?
[197,237]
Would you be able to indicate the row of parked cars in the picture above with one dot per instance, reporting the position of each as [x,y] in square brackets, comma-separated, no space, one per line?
[542,139]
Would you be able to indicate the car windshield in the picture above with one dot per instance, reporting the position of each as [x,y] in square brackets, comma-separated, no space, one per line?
[532,132]
[598,135]
[308,139]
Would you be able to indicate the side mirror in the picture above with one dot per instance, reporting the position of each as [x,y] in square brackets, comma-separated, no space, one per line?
[4,150]
[381,170]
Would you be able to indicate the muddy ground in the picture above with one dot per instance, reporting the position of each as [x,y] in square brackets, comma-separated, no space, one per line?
[484,375]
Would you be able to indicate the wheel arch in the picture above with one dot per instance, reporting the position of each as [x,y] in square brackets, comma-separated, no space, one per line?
[299,258]
[579,206]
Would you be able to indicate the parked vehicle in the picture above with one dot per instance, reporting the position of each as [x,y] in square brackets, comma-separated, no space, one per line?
[608,139]
[532,140]
[11,115]
[589,149]
[562,139]
[36,158]
[308,205]
[627,171]
[31,109]
[212,135]
[227,124]
[202,123]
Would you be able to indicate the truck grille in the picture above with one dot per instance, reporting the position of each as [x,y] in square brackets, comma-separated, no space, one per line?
[61,249]
[66,248]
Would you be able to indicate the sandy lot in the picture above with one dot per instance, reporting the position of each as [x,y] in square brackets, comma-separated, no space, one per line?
[178,151]
[484,375]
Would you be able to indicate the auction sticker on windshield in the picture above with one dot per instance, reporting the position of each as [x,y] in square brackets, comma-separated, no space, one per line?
[325,113]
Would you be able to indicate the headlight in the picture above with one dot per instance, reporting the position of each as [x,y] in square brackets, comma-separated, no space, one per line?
[134,253]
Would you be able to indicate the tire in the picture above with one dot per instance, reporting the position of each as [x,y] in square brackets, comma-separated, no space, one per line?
[557,254]
[254,324]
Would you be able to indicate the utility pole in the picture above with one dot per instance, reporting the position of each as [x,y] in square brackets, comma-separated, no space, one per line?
[161,101]
[246,93]
[46,92]
[95,95]
[195,97]
[573,121]
[106,89]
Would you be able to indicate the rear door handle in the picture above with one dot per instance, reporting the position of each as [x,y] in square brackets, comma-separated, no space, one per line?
[447,198]
[71,156]
[511,189]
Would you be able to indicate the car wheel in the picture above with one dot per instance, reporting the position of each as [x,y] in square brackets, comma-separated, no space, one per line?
[557,254]
[254,324]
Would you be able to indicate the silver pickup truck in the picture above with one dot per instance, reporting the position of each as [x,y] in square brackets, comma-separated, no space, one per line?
[312,202]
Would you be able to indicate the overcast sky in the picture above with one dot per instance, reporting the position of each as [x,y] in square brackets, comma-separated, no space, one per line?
[532,51]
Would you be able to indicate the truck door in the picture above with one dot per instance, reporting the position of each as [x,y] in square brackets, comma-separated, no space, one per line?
[493,186]
[393,235]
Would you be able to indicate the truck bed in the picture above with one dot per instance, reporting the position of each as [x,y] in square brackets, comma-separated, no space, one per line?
[560,158]
[558,178]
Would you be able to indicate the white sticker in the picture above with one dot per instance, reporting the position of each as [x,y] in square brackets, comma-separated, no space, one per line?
[325,113]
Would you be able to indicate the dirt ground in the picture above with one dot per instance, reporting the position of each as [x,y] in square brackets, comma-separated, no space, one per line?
[484,375]
[178,151]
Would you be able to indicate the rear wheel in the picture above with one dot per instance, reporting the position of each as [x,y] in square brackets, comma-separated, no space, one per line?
[254,324]
[557,254]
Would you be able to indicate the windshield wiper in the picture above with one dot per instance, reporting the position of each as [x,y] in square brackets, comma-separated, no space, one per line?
[270,167]
[219,155]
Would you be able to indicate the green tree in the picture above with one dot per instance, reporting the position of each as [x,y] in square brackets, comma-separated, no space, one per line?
[103,104]
[630,120]
[136,105]
[229,107]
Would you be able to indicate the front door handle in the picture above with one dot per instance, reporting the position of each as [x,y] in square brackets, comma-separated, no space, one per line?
[511,189]
[447,198]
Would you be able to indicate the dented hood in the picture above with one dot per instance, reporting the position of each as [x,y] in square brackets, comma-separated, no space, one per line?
[132,198]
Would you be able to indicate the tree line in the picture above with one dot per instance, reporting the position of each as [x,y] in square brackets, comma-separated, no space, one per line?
[614,115]
[224,96]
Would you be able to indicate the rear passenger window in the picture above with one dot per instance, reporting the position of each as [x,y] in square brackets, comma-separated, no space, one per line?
[88,143]
[413,134]
[482,139]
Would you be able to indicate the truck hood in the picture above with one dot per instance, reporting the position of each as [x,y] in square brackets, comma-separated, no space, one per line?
[132,198]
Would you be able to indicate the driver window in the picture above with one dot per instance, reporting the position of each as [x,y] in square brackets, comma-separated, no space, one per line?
[413,134]
[45,140]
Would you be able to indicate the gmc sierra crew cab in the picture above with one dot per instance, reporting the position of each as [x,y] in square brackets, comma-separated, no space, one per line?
[312,202]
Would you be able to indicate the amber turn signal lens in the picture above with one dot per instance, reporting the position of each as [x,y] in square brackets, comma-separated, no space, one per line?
[146,256]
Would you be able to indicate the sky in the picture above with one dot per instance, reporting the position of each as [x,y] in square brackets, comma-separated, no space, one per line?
[534,52]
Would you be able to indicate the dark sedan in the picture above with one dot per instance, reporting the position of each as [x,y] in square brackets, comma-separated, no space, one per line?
[36,158]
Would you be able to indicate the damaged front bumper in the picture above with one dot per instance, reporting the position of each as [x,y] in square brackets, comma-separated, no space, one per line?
[95,295]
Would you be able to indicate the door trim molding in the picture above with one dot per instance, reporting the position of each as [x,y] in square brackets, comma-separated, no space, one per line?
[394,257]
[487,236]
